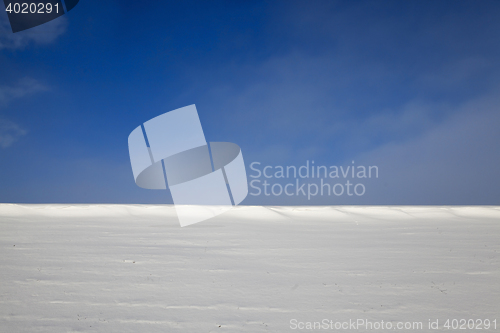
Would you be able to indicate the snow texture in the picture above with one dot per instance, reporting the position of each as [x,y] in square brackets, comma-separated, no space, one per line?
[131,268]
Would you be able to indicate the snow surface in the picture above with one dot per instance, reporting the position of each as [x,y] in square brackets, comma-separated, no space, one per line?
[131,268]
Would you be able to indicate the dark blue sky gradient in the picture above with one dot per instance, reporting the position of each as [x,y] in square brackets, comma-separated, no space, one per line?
[410,86]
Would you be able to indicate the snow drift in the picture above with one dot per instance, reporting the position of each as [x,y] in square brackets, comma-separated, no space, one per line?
[131,268]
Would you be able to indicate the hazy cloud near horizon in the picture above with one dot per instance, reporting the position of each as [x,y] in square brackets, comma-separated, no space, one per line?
[453,163]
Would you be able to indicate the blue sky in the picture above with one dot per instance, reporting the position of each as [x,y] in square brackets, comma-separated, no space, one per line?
[409,86]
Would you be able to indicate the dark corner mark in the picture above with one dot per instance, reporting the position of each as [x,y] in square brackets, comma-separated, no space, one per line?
[24,15]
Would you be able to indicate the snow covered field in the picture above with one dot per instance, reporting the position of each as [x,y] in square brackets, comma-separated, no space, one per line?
[131,268]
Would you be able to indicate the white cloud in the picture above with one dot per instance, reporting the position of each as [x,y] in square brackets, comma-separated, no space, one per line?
[10,132]
[42,34]
[455,162]
[429,150]
[23,87]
